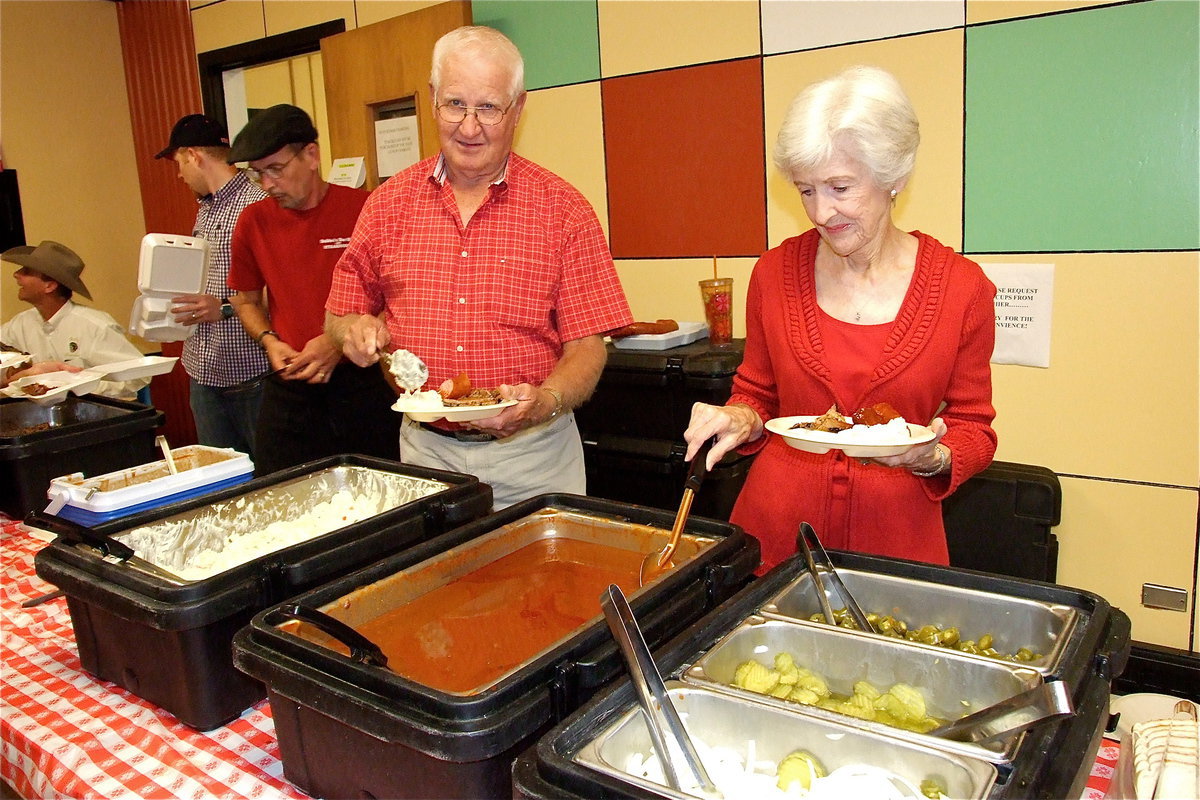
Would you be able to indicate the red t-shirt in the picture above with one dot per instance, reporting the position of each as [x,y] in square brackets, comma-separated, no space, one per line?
[292,253]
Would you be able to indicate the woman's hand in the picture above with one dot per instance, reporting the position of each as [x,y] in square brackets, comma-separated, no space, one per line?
[923,458]
[732,425]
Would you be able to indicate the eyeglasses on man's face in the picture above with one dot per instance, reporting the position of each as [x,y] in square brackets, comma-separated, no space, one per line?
[272,171]
[455,112]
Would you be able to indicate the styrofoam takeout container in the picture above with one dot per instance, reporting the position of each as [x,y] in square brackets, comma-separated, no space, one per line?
[168,266]
[688,332]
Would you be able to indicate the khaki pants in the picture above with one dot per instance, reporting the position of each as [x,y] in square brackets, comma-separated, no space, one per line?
[544,458]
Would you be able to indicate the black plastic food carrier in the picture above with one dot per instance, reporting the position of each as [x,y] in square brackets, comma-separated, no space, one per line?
[90,434]
[350,728]
[170,641]
[1051,761]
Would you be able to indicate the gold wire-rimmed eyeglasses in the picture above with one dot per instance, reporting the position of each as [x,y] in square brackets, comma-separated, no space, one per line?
[272,171]
[487,115]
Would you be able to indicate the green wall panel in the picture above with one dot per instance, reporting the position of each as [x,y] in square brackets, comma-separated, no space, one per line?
[1081,131]
[558,38]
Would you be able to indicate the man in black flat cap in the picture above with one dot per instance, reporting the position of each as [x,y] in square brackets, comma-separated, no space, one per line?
[58,333]
[219,356]
[283,254]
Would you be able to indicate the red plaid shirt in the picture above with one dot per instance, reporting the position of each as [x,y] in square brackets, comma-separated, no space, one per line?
[495,299]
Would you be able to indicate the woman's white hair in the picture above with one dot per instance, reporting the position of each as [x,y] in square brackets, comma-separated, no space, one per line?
[482,42]
[863,108]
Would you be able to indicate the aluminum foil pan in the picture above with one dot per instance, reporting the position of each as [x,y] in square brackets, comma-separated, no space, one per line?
[760,732]
[209,540]
[952,684]
[1013,622]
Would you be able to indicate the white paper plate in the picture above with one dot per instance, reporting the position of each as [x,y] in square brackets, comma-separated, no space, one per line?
[144,367]
[822,442]
[459,414]
[1141,707]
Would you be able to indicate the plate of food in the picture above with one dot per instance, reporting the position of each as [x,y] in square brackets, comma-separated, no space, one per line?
[47,389]
[13,358]
[431,406]
[870,432]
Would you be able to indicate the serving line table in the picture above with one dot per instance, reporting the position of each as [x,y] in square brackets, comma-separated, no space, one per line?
[64,733]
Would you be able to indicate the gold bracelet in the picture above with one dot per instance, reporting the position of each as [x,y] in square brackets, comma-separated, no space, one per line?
[558,402]
[943,460]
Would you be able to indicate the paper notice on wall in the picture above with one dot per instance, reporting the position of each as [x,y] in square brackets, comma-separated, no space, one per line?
[1024,311]
[396,144]
[348,172]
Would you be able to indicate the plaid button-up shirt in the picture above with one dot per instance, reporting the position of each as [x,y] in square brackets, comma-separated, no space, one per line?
[220,353]
[495,298]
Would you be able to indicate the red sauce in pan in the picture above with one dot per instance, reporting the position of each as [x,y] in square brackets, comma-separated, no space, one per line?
[469,633]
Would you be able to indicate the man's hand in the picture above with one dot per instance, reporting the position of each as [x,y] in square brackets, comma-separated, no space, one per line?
[313,364]
[360,336]
[190,309]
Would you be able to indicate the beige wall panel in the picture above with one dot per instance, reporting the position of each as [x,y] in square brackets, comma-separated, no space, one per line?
[268,84]
[670,288]
[1123,343]
[562,129]
[320,112]
[227,23]
[370,11]
[289,15]
[69,192]
[1116,536]
[990,10]
[645,36]
[808,24]
[929,67]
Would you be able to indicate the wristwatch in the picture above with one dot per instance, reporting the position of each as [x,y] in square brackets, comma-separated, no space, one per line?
[226,308]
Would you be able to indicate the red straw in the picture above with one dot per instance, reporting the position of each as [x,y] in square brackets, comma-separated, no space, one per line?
[714,268]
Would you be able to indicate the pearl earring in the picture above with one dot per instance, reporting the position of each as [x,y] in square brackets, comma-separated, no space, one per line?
[893,194]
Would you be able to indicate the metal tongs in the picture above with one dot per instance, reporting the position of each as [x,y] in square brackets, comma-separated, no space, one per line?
[1048,701]
[680,762]
[802,539]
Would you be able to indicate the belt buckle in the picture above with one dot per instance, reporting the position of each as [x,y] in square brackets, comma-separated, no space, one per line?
[472,436]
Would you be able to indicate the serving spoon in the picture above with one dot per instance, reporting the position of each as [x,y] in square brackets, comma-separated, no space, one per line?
[659,561]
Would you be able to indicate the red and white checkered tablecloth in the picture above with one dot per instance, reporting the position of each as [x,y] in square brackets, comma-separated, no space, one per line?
[65,733]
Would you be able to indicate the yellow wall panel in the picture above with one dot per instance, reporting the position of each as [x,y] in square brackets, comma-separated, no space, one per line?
[1123,346]
[1116,536]
[288,15]
[562,129]
[228,23]
[70,193]
[641,36]
[670,288]
[991,10]
[929,67]
[370,11]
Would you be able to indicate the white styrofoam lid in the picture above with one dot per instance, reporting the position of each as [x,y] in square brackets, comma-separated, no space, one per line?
[170,265]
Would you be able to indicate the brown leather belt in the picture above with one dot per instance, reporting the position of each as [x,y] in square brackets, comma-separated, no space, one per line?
[461,434]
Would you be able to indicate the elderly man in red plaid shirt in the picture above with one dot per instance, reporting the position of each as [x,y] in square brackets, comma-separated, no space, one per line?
[480,261]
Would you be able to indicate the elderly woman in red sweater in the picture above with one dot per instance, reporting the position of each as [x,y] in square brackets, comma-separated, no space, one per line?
[855,312]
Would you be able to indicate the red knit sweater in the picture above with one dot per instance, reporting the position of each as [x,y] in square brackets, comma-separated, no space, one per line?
[938,351]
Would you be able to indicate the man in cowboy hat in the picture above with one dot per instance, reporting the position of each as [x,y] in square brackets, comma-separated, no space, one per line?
[58,333]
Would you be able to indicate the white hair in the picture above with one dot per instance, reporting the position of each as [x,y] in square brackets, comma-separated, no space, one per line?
[862,107]
[484,43]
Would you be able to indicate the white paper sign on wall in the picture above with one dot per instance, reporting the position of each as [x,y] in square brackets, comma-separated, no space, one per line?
[1024,312]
